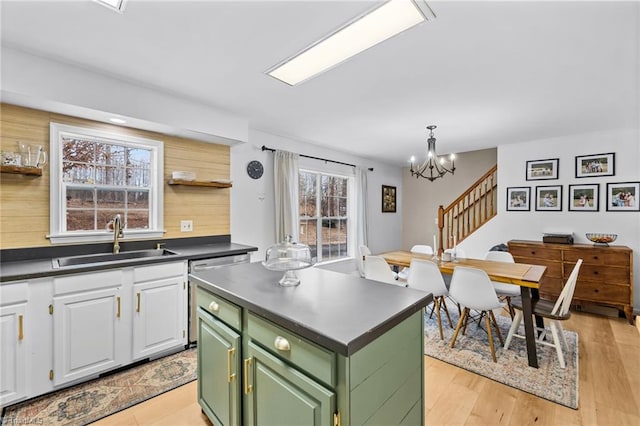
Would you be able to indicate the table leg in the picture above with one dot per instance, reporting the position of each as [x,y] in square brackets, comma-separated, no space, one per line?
[535,295]
[529,331]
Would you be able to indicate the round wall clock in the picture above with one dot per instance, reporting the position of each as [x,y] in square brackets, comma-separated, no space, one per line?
[255,169]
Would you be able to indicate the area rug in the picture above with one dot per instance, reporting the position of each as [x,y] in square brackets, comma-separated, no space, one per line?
[93,400]
[472,353]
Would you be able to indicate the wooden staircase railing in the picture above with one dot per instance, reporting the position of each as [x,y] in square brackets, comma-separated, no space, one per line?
[472,209]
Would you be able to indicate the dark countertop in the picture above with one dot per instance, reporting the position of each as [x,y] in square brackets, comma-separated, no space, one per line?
[16,267]
[337,311]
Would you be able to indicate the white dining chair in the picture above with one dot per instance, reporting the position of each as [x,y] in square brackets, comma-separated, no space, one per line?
[377,269]
[472,289]
[503,290]
[426,276]
[554,312]
[419,249]
[362,252]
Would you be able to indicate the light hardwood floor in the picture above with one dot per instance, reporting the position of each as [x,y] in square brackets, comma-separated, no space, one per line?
[609,389]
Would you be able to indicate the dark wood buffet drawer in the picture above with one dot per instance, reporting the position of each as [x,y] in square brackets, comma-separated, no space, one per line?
[598,257]
[532,252]
[603,273]
[600,292]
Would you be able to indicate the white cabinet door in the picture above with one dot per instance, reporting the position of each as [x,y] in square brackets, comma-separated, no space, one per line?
[159,317]
[13,353]
[86,330]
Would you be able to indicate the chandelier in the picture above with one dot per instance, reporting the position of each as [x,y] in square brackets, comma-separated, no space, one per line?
[434,167]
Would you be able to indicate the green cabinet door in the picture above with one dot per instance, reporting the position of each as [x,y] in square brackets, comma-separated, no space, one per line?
[277,394]
[218,370]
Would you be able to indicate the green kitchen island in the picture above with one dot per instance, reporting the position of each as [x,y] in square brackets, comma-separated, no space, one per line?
[335,350]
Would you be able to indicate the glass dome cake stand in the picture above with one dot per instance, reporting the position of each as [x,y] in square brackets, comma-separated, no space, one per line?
[288,257]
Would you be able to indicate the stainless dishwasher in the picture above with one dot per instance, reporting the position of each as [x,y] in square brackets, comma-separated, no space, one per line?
[204,265]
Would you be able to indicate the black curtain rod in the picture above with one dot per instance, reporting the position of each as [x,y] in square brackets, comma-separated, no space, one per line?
[265,148]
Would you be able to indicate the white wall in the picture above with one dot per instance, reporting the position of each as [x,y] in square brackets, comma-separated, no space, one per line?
[532,224]
[252,202]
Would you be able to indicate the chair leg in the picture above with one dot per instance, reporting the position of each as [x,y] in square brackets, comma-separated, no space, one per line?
[436,304]
[561,331]
[460,321]
[556,342]
[466,315]
[446,311]
[510,307]
[495,325]
[433,307]
[514,327]
[490,334]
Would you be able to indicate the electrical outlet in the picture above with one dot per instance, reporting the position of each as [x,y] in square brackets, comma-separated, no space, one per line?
[186,226]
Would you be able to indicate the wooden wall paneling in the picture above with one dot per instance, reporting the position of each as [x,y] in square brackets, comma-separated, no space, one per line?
[24,201]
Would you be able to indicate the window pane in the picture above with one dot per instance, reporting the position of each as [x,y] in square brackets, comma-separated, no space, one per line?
[137,219]
[78,150]
[80,220]
[307,194]
[105,216]
[113,155]
[109,175]
[334,238]
[79,198]
[137,157]
[308,235]
[110,199]
[138,200]
[138,177]
[77,172]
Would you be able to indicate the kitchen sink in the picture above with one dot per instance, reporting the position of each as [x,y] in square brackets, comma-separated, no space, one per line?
[62,262]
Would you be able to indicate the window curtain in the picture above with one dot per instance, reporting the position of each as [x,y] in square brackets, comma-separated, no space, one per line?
[362,228]
[285,179]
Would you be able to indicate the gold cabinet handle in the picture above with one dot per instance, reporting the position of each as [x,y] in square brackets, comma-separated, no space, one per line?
[282,344]
[213,306]
[230,375]
[20,328]
[138,302]
[118,302]
[247,387]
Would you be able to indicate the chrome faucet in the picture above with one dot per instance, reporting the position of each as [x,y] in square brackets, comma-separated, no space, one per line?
[117,233]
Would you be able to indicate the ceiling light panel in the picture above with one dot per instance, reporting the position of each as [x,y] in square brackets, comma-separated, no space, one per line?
[382,23]
[117,5]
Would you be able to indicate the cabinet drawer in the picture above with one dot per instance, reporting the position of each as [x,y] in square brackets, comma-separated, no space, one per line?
[217,306]
[158,271]
[598,257]
[551,285]
[600,292]
[307,356]
[602,273]
[532,252]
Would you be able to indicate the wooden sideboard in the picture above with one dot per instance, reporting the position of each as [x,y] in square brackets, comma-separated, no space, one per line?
[605,278]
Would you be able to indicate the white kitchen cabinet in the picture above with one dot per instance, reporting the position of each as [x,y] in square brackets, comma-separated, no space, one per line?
[159,309]
[89,325]
[13,342]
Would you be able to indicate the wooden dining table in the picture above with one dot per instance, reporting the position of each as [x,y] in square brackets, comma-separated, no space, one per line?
[526,276]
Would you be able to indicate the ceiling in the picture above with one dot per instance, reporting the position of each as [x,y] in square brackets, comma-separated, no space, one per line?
[486,73]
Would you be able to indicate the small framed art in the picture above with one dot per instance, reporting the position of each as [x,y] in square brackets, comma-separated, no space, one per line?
[623,197]
[518,198]
[549,198]
[584,198]
[388,199]
[542,169]
[595,165]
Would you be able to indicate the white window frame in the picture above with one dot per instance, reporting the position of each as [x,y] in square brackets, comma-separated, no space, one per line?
[57,233]
[340,171]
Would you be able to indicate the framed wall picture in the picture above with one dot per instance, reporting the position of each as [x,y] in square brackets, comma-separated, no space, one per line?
[388,199]
[542,169]
[518,198]
[595,165]
[584,198]
[549,198]
[623,197]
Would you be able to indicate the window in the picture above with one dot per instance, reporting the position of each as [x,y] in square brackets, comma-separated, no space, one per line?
[96,175]
[325,214]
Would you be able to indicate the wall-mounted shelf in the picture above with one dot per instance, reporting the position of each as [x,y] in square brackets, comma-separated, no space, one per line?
[17,170]
[209,184]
